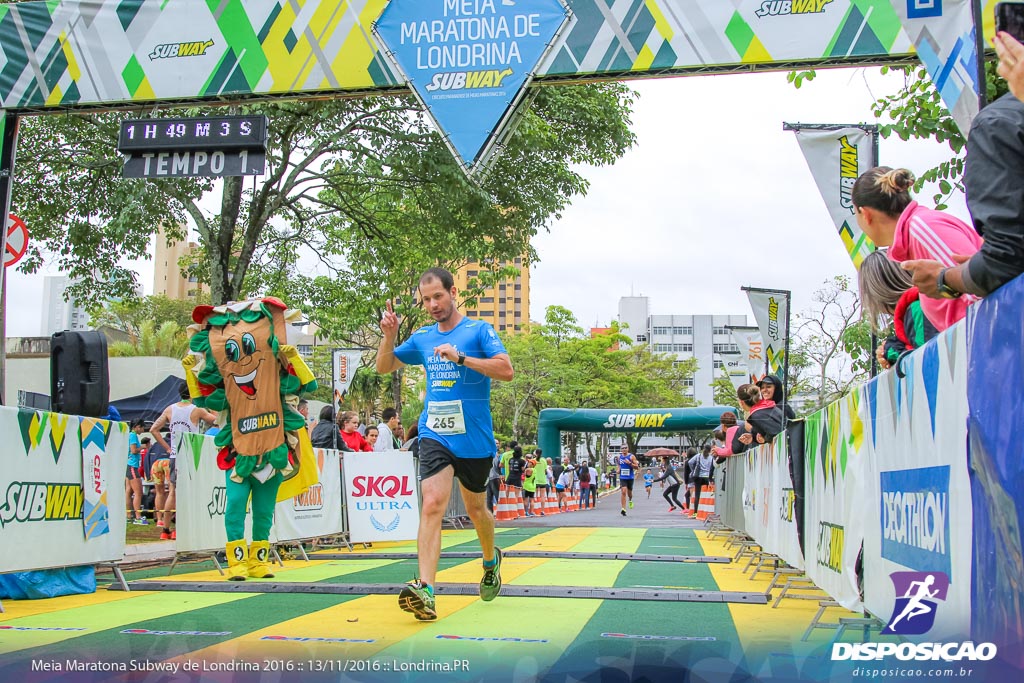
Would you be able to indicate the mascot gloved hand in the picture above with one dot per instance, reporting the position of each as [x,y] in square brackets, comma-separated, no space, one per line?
[242,372]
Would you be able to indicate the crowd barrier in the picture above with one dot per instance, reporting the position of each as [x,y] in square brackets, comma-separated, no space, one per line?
[916,471]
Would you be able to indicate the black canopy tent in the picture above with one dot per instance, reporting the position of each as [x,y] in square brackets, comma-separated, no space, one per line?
[149,406]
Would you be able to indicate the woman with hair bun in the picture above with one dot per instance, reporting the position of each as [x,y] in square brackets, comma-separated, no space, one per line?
[891,218]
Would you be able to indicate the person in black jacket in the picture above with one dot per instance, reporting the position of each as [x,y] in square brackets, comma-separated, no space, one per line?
[772,390]
[994,185]
[764,419]
[674,482]
[326,433]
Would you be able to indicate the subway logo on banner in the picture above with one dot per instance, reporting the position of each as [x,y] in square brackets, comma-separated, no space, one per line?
[36,502]
[915,518]
[779,8]
[637,420]
[831,546]
[468,80]
[849,171]
[195,48]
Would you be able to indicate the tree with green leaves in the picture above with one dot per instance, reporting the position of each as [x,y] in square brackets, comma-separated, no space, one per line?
[129,315]
[363,187]
[167,340]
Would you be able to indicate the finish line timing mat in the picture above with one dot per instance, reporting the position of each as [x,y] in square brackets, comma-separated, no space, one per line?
[672,604]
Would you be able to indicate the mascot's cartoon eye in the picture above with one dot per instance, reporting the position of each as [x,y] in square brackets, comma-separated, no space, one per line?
[231,349]
[248,344]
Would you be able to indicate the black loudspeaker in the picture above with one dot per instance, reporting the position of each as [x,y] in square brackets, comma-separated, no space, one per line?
[79,374]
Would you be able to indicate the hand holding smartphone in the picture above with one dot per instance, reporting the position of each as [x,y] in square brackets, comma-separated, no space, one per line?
[1010,19]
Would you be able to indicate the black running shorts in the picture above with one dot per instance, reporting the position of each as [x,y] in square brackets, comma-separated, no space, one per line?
[472,473]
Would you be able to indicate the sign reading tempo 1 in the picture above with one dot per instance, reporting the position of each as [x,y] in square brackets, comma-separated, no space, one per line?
[212,146]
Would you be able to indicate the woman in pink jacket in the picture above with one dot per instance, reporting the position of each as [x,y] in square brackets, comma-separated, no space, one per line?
[887,214]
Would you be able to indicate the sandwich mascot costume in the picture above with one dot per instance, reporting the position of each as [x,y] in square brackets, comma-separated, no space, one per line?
[241,366]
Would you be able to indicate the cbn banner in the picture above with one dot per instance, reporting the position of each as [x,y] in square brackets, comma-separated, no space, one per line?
[944,34]
[836,159]
[771,311]
[60,53]
[380,496]
[43,488]
[751,345]
[921,526]
[735,368]
[834,519]
[202,496]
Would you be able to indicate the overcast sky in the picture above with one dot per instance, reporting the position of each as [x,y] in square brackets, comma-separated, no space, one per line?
[713,196]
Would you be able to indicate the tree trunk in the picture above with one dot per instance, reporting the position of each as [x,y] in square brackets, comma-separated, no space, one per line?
[225,285]
[396,389]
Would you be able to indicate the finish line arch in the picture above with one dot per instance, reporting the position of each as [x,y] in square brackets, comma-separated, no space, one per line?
[553,421]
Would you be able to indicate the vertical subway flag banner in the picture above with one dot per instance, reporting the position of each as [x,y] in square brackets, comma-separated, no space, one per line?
[944,34]
[836,159]
[469,62]
[771,311]
[344,365]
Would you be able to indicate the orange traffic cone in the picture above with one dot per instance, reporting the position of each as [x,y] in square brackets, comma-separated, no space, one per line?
[520,505]
[505,510]
[706,505]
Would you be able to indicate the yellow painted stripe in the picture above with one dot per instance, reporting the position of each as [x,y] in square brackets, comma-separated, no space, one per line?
[55,95]
[19,609]
[351,64]
[100,616]
[760,624]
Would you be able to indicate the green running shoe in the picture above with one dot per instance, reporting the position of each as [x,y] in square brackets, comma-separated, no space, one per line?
[630,505]
[490,585]
[417,599]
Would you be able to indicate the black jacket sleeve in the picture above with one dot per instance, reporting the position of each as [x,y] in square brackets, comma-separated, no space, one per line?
[994,182]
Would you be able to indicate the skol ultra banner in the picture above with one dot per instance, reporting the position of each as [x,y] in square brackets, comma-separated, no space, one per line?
[60,53]
[43,488]
[380,496]
[344,364]
[202,497]
[944,34]
[771,311]
[834,470]
[918,529]
[751,345]
[836,159]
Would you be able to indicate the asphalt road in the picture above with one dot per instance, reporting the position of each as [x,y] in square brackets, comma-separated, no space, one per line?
[646,513]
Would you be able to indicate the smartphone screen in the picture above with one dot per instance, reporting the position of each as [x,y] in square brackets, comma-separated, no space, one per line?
[1010,18]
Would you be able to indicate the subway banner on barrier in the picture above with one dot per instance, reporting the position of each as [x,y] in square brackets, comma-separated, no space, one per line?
[61,53]
[944,34]
[835,465]
[836,159]
[469,62]
[43,490]
[771,311]
[751,345]
[921,526]
[380,496]
[202,497]
[768,500]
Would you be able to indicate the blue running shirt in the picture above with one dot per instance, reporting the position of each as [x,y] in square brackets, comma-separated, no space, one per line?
[625,467]
[457,409]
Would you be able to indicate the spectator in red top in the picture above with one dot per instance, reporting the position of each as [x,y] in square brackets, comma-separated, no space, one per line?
[349,422]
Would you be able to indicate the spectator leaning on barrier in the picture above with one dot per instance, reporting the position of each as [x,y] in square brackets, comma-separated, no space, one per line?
[349,421]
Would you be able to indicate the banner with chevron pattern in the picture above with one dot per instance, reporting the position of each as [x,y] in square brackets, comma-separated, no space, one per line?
[47,496]
[60,53]
[771,312]
[768,498]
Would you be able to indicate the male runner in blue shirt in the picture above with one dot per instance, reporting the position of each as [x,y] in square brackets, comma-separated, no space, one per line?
[456,439]
[627,466]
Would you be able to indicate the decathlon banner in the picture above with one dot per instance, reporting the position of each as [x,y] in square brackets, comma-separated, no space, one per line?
[202,497]
[380,496]
[317,511]
[470,62]
[344,364]
[60,53]
[920,526]
[836,158]
[43,488]
[751,346]
[835,507]
[771,311]
[943,32]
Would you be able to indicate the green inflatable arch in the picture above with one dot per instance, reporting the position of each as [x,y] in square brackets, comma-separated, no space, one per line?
[553,421]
